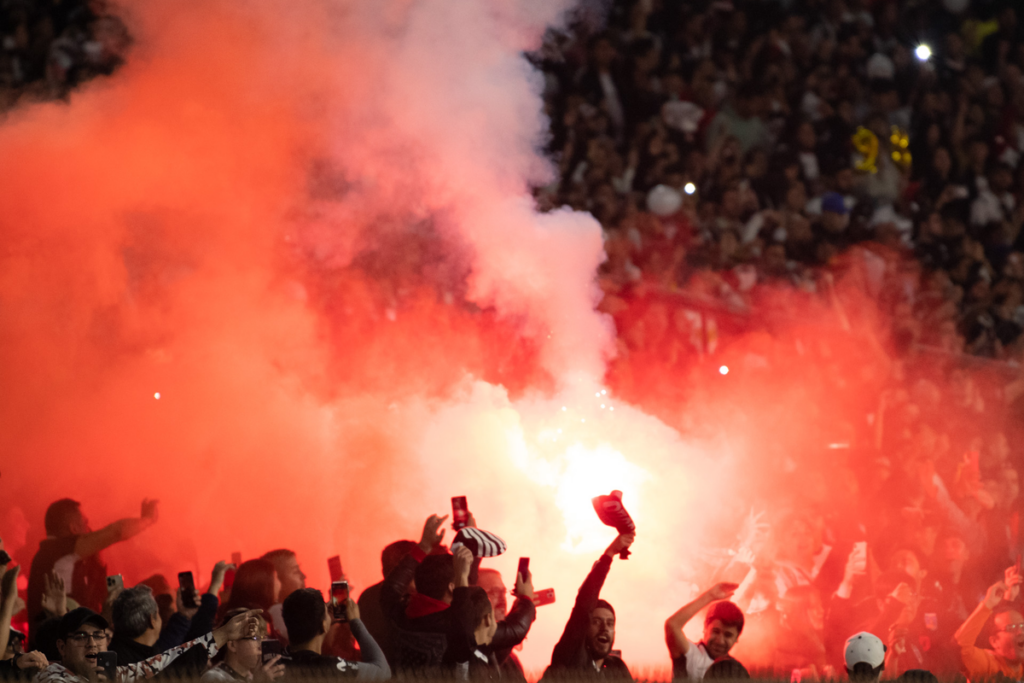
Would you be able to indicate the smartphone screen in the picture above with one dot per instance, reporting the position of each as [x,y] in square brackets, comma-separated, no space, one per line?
[544,597]
[115,582]
[524,568]
[107,661]
[271,649]
[334,566]
[188,588]
[339,591]
[460,512]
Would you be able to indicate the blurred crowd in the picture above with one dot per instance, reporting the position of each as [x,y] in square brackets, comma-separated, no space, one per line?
[47,47]
[715,142]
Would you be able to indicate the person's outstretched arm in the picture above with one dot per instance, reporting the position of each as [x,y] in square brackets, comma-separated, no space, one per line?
[575,632]
[8,596]
[392,595]
[517,623]
[678,643]
[374,666]
[91,543]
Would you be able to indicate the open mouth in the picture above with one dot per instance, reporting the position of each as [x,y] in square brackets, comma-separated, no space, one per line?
[604,639]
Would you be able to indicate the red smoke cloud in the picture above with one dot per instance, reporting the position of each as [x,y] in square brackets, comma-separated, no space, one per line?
[307,226]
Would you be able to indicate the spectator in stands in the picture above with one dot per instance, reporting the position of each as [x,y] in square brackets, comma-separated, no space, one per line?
[865,658]
[723,625]
[82,635]
[586,643]
[289,573]
[369,600]
[308,620]
[1006,651]
[256,587]
[71,549]
[243,659]
[472,626]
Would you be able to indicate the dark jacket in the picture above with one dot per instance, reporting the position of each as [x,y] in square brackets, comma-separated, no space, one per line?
[421,624]
[312,665]
[570,656]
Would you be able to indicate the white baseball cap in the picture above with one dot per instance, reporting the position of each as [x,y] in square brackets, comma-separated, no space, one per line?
[865,647]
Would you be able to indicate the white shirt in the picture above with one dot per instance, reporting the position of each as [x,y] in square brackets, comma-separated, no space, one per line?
[698,661]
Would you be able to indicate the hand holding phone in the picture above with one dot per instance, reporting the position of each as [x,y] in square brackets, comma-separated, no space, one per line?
[106,662]
[339,596]
[187,584]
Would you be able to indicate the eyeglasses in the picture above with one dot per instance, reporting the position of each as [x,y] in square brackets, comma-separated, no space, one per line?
[1013,628]
[98,637]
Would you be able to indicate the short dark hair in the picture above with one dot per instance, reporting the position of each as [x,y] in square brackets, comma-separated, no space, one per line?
[303,614]
[863,672]
[133,611]
[393,554]
[434,574]
[479,604]
[603,604]
[59,516]
[727,613]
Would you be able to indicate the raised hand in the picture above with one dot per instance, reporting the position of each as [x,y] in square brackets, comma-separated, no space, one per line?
[55,597]
[1012,579]
[431,537]
[463,563]
[722,591]
[33,660]
[524,586]
[351,610]
[994,594]
[621,542]
[245,625]
[183,609]
[217,580]
[150,510]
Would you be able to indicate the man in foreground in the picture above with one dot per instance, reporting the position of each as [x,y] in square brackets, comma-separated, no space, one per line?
[722,628]
[586,643]
[308,620]
[82,635]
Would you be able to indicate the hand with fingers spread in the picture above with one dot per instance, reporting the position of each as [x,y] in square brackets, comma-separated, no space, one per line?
[433,534]
[722,591]
[55,598]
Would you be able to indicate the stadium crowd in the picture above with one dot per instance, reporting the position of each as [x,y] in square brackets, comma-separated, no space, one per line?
[727,147]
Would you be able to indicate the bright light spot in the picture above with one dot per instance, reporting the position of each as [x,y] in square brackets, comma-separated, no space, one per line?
[598,394]
[563,408]
[604,391]
[689,188]
[559,431]
[583,419]
[923,52]
[611,407]
[723,370]
[602,405]
[157,395]
[587,473]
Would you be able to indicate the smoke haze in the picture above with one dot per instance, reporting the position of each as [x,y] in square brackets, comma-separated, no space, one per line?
[307,227]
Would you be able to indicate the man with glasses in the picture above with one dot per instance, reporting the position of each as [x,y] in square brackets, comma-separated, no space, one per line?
[82,634]
[1006,655]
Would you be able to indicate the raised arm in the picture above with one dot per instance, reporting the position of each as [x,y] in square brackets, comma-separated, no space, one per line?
[677,642]
[91,543]
[374,666]
[397,582]
[575,631]
[8,596]
[517,623]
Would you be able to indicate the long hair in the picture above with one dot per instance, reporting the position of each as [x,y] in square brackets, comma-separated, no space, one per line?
[253,588]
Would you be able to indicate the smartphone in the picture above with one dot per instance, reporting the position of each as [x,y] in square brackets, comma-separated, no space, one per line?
[460,512]
[271,649]
[188,589]
[334,566]
[524,568]
[544,597]
[115,582]
[107,662]
[339,591]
